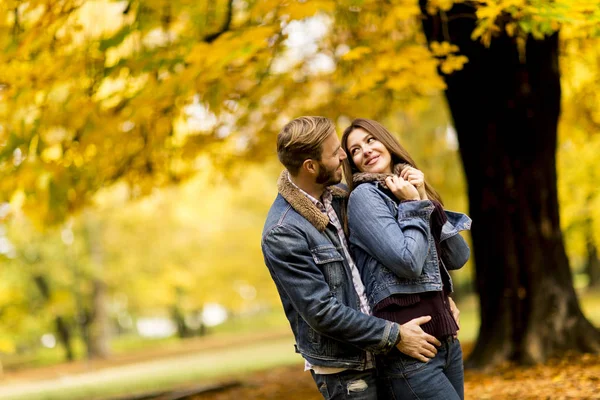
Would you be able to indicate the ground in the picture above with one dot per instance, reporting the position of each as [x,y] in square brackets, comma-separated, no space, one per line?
[572,377]
[575,376]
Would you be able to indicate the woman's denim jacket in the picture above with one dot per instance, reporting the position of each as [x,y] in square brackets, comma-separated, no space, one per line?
[302,250]
[393,246]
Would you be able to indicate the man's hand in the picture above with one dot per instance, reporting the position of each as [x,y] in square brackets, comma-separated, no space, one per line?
[455,311]
[415,342]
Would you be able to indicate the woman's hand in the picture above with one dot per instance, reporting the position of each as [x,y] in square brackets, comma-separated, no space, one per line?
[417,179]
[401,188]
[455,311]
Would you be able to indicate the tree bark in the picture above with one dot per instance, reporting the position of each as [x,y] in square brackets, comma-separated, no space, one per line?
[505,104]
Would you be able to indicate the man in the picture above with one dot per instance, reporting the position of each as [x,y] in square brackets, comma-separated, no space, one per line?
[307,254]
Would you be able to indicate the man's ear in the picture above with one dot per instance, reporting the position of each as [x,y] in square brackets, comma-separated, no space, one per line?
[309,166]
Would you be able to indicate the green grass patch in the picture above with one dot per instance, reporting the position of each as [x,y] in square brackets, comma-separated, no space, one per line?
[161,374]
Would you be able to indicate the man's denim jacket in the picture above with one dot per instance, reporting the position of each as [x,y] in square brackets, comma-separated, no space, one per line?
[393,246]
[307,263]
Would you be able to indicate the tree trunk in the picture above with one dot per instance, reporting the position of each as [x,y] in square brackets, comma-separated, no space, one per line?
[183,331]
[505,105]
[62,328]
[99,328]
[99,324]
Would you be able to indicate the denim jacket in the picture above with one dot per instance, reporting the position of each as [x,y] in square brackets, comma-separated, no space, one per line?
[393,246]
[307,263]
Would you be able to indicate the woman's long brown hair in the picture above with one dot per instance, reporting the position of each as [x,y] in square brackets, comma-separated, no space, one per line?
[398,153]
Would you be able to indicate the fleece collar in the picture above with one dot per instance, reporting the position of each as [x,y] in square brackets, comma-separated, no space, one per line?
[362,177]
[302,204]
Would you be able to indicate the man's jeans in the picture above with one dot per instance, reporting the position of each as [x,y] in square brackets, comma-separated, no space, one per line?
[350,384]
[404,377]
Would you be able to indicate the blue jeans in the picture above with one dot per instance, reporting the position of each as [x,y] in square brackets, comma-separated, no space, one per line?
[402,377]
[349,384]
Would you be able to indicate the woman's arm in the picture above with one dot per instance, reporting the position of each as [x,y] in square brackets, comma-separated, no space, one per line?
[399,243]
[455,252]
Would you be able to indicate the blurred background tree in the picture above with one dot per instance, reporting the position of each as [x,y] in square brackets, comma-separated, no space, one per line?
[105,104]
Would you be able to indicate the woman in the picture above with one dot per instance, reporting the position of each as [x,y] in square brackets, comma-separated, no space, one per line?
[404,243]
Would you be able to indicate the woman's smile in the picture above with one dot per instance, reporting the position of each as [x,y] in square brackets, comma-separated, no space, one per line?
[372,160]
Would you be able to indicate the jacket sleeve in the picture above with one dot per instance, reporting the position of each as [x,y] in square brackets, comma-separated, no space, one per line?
[298,278]
[455,252]
[399,243]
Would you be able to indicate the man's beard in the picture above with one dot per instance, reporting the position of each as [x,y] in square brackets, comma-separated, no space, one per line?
[326,176]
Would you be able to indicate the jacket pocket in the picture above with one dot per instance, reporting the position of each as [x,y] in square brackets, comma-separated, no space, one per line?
[331,262]
[326,254]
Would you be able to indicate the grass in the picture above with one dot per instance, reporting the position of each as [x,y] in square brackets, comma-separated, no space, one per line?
[159,374]
[128,343]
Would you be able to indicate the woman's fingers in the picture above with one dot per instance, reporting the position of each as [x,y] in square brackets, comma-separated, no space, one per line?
[389,182]
[401,188]
[413,176]
[405,172]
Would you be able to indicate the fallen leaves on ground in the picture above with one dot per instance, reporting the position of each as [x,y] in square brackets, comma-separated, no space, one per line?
[571,377]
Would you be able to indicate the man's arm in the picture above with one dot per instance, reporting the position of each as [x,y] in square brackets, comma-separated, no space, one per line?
[297,277]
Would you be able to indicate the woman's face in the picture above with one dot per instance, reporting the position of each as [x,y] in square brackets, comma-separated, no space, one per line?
[368,153]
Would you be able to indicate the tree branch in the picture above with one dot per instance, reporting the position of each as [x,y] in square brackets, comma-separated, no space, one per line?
[226,25]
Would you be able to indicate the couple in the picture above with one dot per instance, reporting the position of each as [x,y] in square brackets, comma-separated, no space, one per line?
[363,277]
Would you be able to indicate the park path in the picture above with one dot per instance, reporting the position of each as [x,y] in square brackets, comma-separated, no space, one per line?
[207,359]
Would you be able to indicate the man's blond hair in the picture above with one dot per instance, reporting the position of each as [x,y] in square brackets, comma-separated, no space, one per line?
[301,139]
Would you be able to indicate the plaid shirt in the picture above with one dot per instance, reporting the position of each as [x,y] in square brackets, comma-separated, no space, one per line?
[326,208]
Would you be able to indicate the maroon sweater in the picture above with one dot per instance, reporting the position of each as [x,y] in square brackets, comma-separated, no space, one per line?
[401,308]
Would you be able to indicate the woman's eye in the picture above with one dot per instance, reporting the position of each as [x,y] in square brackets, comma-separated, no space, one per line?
[353,151]
[369,140]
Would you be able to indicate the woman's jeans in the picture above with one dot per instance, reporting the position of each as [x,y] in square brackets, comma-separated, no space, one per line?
[348,385]
[404,377]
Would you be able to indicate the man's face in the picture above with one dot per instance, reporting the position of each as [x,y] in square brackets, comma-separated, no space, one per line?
[330,166]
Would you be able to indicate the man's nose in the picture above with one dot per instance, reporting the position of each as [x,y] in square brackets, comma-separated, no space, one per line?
[343,155]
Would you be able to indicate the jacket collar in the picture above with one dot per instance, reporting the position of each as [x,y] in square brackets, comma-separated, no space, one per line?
[363,177]
[302,204]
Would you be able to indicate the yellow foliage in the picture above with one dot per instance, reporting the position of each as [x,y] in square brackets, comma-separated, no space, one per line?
[443,49]
[356,53]
[453,63]
[92,95]
[7,345]
[52,153]
[295,9]
[434,6]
